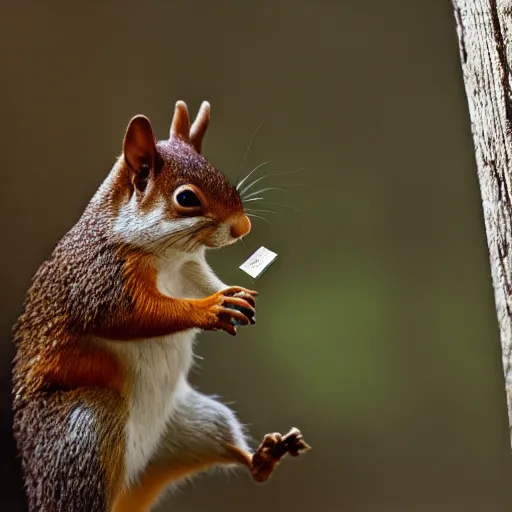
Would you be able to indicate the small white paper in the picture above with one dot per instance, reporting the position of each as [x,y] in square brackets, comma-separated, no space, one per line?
[258,262]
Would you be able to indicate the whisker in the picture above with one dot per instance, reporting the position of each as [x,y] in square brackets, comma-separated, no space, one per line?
[253,171]
[173,240]
[252,194]
[245,189]
[243,243]
[260,217]
[285,206]
[191,243]
[163,240]
[188,234]
[250,210]
[189,237]
[279,204]
[254,199]
[247,151]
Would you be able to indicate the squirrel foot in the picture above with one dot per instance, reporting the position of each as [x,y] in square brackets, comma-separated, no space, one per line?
[272,449]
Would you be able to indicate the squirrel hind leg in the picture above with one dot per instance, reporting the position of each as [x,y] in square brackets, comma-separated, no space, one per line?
[204,433]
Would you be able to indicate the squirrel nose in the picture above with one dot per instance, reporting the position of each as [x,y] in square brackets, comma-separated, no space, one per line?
[240,226]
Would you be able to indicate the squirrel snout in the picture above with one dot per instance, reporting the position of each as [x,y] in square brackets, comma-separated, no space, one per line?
[240,226]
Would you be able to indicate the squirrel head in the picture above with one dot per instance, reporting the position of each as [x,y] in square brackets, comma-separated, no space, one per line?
[168,195]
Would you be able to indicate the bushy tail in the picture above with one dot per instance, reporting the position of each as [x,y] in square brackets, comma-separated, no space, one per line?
[72,446]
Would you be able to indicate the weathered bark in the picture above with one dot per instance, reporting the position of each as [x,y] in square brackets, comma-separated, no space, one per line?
[484,29]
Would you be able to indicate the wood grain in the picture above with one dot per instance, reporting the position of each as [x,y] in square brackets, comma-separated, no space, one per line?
[484,30]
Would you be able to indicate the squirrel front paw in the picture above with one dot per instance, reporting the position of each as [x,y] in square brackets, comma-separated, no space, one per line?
[272,449]
[230,307]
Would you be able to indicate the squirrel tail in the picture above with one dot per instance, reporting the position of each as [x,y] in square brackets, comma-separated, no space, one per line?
[70,448]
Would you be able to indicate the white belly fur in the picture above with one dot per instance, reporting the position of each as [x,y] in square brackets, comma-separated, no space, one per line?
[157,364]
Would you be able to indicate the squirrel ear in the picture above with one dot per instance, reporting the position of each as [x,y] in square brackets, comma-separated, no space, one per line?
[139,145]
[180,126]
[200,125]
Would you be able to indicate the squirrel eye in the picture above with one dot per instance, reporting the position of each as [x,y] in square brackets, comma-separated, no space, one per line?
[186,201]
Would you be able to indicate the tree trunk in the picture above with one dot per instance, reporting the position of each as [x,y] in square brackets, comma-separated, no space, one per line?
[484,29]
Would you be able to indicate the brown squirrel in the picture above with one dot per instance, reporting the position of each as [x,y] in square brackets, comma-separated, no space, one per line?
[104,417]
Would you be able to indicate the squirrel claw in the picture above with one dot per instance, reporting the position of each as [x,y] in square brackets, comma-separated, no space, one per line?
[237,306]
[229,308]
[295,443]
[272,449]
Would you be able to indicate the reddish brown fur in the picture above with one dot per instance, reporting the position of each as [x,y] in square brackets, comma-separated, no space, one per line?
[93,285]
[261,464]
[158,477]
[76,366]
[152,483]
[175,162]
[120,298]
[70,392]
[178,164]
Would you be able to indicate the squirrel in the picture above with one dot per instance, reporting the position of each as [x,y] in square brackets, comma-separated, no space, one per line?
[104,417]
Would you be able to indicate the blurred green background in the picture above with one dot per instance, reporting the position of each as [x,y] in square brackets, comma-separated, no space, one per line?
[376,333]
